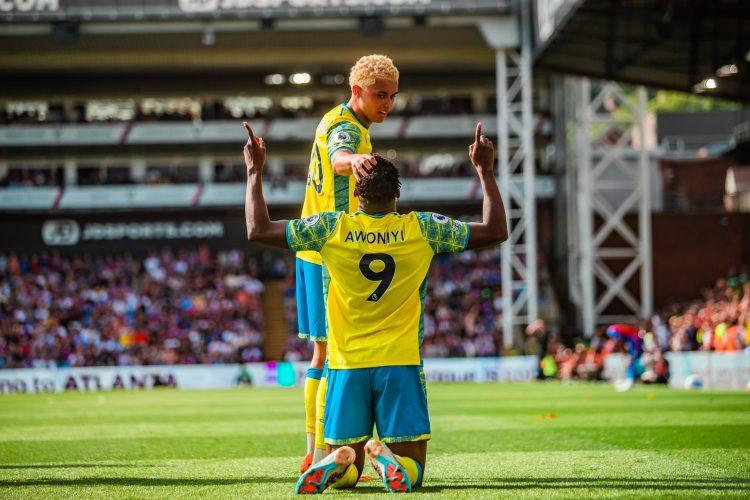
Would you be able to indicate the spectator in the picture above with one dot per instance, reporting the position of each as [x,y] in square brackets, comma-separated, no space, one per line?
[539,338]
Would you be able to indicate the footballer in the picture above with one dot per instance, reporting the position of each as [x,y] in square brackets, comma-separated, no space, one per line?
[377,263]
[340,154]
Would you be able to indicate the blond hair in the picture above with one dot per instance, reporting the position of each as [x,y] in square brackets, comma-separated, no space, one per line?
[368,68]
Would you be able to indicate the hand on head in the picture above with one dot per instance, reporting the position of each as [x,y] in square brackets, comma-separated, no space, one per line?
[362,165]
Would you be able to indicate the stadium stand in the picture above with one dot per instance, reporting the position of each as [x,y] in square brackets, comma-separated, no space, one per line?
[189,307]
[169,307]
[225,171]
[175,109]
[185,307]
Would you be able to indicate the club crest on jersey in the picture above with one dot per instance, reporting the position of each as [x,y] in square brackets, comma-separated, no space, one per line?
[312,220]
[440,219]
[342,138]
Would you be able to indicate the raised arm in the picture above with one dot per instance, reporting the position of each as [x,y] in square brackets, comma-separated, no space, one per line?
[260,227]
[493,229]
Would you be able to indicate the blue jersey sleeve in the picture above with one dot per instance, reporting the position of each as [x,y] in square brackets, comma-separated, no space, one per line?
[444,235]
[312,232]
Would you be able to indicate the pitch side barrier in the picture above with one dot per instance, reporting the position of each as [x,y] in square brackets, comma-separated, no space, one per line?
[710,370]
[269,374]
[714,370]
[220,195]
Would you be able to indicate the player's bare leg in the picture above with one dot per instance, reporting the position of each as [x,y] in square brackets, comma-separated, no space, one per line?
[334,468]
[312,388]
[401,466]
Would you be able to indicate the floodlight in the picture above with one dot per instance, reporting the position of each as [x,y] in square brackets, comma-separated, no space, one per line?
[300,78]
[274,79]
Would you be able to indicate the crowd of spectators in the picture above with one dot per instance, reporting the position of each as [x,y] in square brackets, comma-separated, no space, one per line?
[719,321]
[163,308]
[42,177]
[200,306]
[224,172]
[585,361]
[463,305]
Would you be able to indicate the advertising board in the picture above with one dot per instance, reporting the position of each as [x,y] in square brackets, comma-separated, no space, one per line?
[269,374]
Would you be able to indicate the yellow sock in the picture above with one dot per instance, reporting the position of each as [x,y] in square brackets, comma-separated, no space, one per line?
[320,406]
[311,390]
[413,469]
[349,479]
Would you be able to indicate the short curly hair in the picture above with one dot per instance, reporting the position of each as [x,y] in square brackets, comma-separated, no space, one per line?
[381,185]
[368,68]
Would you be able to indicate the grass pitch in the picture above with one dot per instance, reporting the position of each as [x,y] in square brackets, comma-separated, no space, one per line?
[533,440]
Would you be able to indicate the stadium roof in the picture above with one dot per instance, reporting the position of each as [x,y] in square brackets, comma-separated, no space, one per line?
[49,60]
[671,44]
[140,10]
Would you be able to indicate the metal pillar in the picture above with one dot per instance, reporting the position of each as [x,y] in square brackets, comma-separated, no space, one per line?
[613,179]
[510,36]
[516,165]
[569,108]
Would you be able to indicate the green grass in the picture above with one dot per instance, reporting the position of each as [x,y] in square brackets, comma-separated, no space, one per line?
[535,440]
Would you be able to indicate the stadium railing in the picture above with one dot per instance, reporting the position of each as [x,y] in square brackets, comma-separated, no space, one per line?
[229,131]
[451,190]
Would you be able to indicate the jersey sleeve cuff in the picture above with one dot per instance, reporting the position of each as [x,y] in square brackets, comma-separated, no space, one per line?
[286,235]
[468,237]
[335,150]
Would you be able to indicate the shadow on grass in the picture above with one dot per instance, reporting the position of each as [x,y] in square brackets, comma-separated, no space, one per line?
[68,466]
[606,483]
[507,483]
[143,481]
[569,483]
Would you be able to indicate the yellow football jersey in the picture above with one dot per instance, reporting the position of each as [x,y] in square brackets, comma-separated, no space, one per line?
[326,191]
[375,278]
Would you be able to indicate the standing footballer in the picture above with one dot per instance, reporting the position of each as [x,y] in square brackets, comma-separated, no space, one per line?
[341,150]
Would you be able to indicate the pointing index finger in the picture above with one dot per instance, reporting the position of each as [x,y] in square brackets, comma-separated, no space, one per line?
[249,132]
[478,133]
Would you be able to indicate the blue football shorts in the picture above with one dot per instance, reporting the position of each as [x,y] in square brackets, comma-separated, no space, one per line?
[391,398]
[311,311]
